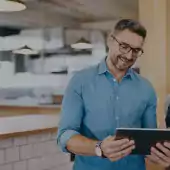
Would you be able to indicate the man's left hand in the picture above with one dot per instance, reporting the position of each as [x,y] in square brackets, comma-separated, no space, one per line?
[161,154]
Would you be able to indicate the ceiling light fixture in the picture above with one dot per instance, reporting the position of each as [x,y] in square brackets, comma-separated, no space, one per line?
[11,5]
[25,51]
[82,44]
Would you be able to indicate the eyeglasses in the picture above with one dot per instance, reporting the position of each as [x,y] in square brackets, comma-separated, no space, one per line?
[126,48]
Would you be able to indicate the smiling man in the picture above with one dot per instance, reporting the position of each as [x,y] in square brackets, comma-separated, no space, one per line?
[106,96]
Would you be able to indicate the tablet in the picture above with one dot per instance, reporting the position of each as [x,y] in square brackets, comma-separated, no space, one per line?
[144,138]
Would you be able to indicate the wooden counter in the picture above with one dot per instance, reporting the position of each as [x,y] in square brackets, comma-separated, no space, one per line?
[28,124]
[12,110]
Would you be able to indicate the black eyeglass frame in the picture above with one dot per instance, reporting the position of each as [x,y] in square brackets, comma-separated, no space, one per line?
[126,48]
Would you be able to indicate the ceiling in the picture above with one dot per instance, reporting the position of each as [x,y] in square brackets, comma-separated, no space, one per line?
[69,13]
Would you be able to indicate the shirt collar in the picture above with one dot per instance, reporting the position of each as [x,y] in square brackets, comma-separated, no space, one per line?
[130,73]
[103,69]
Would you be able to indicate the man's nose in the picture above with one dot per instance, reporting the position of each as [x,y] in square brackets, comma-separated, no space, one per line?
[129,55]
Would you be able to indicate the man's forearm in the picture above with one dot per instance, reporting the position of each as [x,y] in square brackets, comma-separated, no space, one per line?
[81,145]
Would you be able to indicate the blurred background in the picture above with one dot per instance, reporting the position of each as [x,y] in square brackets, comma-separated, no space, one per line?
[42,44]
[37,54]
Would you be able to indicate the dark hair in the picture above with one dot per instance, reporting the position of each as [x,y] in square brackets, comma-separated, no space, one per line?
[132,25]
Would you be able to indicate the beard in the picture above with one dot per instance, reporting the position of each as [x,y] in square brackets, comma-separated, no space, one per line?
[122,63]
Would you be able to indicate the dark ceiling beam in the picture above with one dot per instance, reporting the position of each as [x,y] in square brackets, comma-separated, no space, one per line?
[34,19]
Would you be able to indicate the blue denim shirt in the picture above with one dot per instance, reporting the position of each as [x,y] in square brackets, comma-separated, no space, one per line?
[95,104]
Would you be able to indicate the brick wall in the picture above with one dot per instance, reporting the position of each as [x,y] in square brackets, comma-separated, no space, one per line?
[34,152]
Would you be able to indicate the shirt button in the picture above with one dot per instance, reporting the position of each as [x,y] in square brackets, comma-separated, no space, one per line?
[117,98]
[117,118]
[114,80]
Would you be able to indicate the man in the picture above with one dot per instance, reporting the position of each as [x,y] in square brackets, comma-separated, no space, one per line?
[106,96]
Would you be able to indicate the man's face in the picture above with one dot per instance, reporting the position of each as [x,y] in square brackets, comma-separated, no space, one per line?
[124,49]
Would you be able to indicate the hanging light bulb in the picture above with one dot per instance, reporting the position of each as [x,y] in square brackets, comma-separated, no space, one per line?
[25,51]
[11,5]
[82,44]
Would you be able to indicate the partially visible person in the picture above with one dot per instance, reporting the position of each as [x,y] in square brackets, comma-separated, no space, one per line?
[167,111]
[167,117]
[156,156]
[106,96]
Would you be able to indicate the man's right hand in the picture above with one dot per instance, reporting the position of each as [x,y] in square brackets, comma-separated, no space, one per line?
[116,149]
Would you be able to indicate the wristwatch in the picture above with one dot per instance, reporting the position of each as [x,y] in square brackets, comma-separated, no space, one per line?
[98,149]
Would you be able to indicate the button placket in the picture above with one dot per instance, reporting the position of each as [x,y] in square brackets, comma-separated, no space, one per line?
[117,114]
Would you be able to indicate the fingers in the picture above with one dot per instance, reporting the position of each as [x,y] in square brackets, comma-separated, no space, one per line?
[152,158]
[120,142]
[159,157]
[157,160]
[116,149]
[110,146]
[124,146]
[158,154]
[165,150]
[167,144]
[121,154]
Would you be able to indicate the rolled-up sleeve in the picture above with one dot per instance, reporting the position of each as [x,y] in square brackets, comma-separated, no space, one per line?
[149,116]
[71,113]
